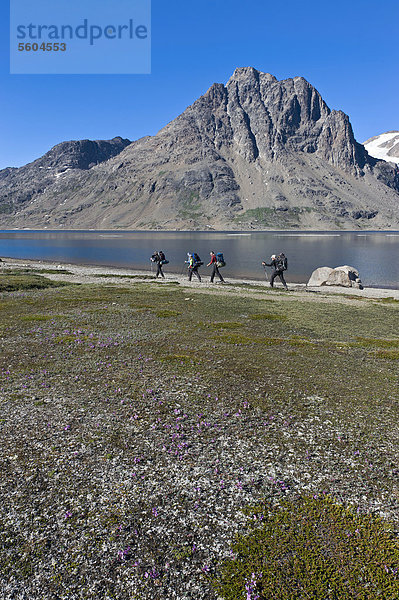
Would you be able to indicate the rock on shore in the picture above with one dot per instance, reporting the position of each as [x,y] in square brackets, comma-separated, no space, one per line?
[344,276]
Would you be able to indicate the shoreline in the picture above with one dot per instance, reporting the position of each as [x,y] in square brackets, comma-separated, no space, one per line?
[233,231]
[86,273]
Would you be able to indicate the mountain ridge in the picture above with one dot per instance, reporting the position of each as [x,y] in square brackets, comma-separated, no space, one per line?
[255,153]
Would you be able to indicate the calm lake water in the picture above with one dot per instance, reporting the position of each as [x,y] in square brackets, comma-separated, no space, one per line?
[374,254]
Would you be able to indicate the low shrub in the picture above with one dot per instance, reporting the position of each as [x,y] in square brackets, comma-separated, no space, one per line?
[267,317]
[225,325]
[312,548]
[13,282]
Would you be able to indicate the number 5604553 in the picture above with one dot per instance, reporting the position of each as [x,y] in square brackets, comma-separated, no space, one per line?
[44,47]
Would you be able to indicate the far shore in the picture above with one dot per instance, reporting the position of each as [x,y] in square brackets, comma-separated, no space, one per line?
[82,273]
[210,230]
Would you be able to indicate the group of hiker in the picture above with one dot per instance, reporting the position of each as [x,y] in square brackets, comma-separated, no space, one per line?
[278,262]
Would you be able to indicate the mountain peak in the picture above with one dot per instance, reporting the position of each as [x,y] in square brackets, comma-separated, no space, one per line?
[250,73]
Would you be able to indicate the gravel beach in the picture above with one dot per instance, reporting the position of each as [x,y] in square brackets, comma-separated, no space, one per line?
[90,274]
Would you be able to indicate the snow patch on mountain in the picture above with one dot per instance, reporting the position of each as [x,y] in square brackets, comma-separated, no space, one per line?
[384,146]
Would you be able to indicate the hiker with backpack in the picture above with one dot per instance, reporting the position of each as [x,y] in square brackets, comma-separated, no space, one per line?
[194,262]
[216,262]
[279,264]
[159,259]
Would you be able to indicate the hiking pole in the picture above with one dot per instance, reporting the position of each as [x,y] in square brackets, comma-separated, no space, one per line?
[264,268]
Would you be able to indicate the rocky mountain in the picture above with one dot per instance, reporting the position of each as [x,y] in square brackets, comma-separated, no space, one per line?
[20,186]
[254,153]
[384,146]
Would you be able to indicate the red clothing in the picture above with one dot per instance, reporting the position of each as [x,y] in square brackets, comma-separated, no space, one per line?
[213,259]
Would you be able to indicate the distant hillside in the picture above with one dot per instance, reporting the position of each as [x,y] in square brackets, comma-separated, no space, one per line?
[252,154]
[19,187]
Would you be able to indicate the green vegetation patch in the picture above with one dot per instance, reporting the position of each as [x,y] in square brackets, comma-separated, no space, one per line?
[6,208]
[389,300]
[171,284]
[141,306]
[267,317]
[53,271]
[189,205]
[237,338]
[253,286]
[26,270]
[312,548]
[389,354]
[267,215]
[225,325]
[16,282]
[356,298]
[185,552]
[299,342]
[376,343]
[33,318]
[71,339]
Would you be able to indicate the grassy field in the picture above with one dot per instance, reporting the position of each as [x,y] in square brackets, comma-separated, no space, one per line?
[140,421]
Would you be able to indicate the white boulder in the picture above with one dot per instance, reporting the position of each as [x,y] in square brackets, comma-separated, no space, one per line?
[339,277]
[347,269]
[344,276]
[319,276]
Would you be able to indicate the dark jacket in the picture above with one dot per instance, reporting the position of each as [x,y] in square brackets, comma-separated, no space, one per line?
[272,264]
[276,263]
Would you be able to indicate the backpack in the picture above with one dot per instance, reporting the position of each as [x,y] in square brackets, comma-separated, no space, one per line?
[162,258]
[281,262]
[220,262]
[197,262]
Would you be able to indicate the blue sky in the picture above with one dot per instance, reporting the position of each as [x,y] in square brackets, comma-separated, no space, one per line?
[347,49]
